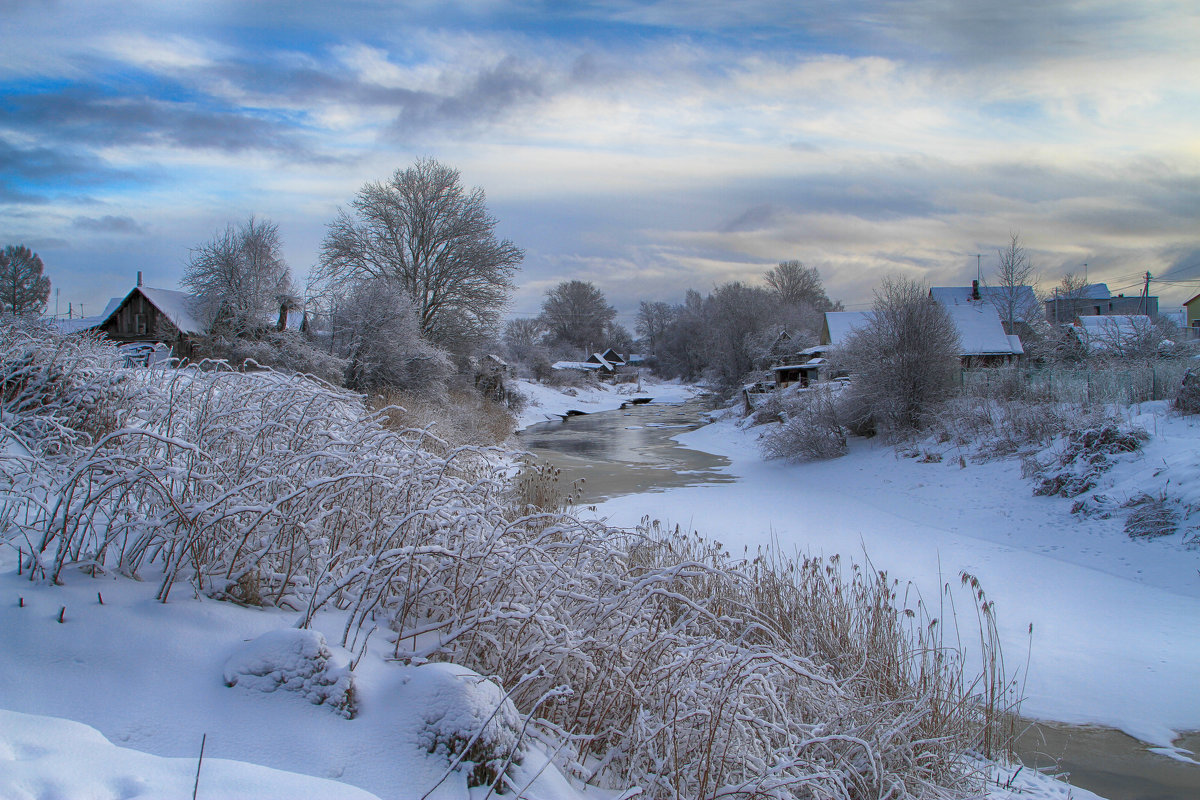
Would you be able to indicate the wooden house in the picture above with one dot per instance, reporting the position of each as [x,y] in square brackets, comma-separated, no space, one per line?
[147,314]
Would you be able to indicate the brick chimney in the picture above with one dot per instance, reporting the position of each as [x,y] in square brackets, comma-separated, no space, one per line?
[139,277]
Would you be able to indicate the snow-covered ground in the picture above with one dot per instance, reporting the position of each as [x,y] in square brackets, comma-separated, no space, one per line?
[546,403]
[113,700]
[1113,620]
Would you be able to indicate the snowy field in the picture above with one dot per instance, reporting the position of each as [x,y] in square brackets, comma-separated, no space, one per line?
[1114,620]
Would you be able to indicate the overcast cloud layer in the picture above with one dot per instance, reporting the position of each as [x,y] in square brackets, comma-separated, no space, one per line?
[648,147]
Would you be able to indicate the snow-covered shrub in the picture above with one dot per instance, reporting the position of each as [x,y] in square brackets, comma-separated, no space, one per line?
[1074,469]
[462,417]
[1187,394]
[469,722]
[1152,516]
[385,345]
[288,351]
[58,391]
[809,430]
[295,661]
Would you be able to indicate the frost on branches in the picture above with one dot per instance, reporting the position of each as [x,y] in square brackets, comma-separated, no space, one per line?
[644,658]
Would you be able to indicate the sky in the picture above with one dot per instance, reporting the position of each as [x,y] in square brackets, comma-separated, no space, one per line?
[648,147]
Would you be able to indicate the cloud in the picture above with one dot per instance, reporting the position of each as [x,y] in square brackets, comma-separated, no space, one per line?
[109,224]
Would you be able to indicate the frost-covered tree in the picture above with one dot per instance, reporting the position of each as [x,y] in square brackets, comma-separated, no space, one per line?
[652,322]
[576,313]
[905,360]
[381,331]
[240,277]
[1011,292]
[796,284]
[434,240]
[23,287]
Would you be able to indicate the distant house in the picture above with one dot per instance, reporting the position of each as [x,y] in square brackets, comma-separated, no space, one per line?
[147,314]
[982,339]
[1020,300]
[1095,300]
[1118,334]
[77,324]
[613,357]
[1192,307]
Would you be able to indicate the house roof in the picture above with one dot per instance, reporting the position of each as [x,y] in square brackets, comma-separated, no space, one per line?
[584,365]
[1025,299]
[1093,291]
[179,307]
[980,331]
[1101,331]
[1194,299]
[840,324]
[597,358]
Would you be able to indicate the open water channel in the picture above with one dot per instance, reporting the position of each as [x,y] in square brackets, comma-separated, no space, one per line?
[632,451]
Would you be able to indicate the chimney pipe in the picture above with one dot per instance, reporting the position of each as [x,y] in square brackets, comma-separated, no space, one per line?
[139,277]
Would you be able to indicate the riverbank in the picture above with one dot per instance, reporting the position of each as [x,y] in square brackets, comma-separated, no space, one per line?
[1113,619]
[548,403]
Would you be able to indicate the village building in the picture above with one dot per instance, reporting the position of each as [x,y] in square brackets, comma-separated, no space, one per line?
[982,340]
[1095,300]
[153,315]
[1192,309]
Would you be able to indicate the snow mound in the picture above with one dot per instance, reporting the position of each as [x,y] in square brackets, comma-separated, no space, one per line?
[294,660]
[467,719]
[46,757]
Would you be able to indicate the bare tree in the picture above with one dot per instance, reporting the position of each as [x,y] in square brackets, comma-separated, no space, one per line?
[1067,297]
[652,322]
[577,313]
[240,277]
[23,287]
[1012,293]
[905,359]
[797,284]
[422,231]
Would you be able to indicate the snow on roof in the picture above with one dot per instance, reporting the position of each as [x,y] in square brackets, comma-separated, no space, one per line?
[74,325]
[1093,291]
[842,323]
[1014,342]
[998,295]
[979,329]
[811,351]
[586,365]
[601,360]
[179,307]
[813,364]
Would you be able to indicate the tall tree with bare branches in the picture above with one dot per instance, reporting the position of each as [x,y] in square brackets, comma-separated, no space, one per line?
[426,234]
[1012,293]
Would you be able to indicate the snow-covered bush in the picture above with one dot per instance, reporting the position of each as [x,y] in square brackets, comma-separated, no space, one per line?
[809,429]
[56,391]
[1073,469]
[295,661]
[288,351]
[645,658]
[1151,516]
[1187,394]
[469,722]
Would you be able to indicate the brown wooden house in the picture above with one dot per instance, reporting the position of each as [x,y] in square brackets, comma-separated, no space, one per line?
[147,314]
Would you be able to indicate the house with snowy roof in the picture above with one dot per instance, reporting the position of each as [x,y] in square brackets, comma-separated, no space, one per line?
[1018,302]
[1095,300]
[148,314]
[982,340]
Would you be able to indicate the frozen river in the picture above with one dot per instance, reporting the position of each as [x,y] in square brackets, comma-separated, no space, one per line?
[630,457]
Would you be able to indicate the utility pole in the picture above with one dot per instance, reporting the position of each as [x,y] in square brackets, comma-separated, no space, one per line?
[1144,302]
[979,267]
